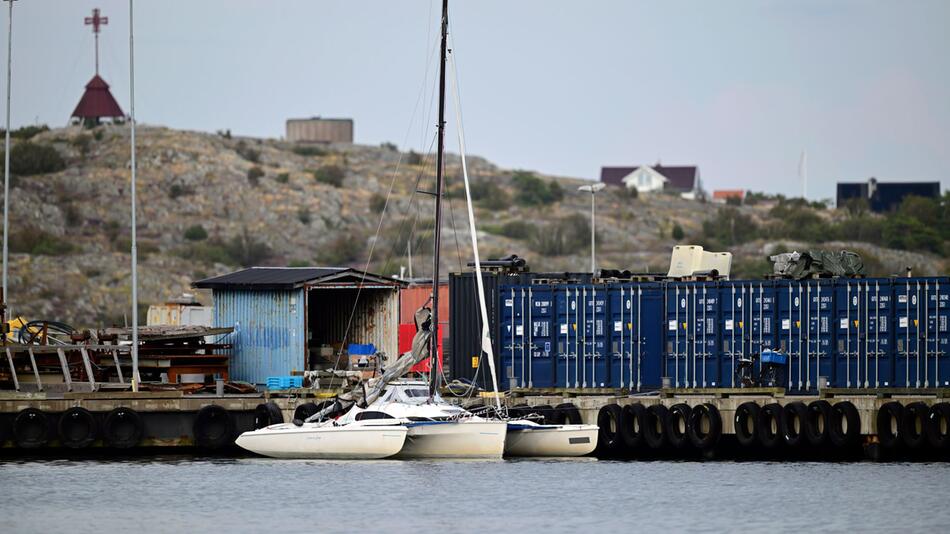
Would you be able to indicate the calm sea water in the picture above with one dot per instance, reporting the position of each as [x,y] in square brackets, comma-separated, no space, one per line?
[178,494]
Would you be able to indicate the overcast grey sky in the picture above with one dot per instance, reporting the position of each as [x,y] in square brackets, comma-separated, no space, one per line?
[736,87]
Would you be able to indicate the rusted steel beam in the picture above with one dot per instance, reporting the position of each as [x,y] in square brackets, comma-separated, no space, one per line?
[36,370]
[16,382]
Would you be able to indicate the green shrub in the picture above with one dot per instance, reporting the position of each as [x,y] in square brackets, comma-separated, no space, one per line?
[729,227]
[330,174]
[254,175]
[414,158]
[196,233]
[308,150]
[303,214]
[247,251]
[678,234]
[25,132]
[97,135]
[533,191]
[348,246]
[178,190]
[71,215]
[628,192]
[390,146]
[377,203]
[283,178]
[517,229]
[28,158]
[250,154]
[35,241]
[82,143]
[568,235]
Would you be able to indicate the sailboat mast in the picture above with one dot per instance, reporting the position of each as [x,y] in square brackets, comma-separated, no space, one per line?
[434,370]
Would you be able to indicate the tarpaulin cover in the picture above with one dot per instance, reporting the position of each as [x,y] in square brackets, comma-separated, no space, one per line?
[800,265]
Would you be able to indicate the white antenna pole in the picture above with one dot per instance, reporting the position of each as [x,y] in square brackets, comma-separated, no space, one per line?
[409,250]
[6,157]
[135,289]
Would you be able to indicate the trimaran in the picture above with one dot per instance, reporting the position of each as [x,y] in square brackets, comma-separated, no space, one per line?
[386,416]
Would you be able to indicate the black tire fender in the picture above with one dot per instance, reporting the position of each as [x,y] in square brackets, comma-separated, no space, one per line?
[608,420]
[914,423]
[305,410]
[845,428]
[631,425]
[794,417]
[889,418]
[31,428]
[938,431]
[747,423]
[545,411]
[654,426]
[568,414]
[817,421]
[677,425]
[123,428]
[705,426]
[77,428]
[266,414]
[770,425]
[213,427]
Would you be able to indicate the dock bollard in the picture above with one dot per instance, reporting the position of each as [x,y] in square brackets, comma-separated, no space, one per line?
[822,382]
[219,387]
[665,382]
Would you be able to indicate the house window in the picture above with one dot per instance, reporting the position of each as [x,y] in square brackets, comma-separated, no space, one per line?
[644,179]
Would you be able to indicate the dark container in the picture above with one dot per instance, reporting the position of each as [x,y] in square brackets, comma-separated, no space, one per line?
[527,336]
[636,335]
[863,355]
[922,340]
[568,305]
[465,324]
[692,334]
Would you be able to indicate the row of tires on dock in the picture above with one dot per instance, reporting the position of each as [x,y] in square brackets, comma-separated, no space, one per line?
[120,428]
[816,430]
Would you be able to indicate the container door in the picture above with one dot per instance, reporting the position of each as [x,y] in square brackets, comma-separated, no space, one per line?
[819,335]
[761,312]
[706,335]
[880,339]
[732,323]
[622,307]
[939,335]
[541,372]
[850,311]
[935,333]
[677,323]
[595,368]
[791,320]
[907,319]
[568,336]
[513,336]
[647,332]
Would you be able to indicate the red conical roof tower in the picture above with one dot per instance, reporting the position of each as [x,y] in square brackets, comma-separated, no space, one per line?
[97,102]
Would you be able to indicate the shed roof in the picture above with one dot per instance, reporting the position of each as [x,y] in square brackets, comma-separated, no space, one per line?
[291,278]
[97,101]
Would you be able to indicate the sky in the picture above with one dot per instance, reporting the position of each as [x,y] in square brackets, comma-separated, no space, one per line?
[738,88]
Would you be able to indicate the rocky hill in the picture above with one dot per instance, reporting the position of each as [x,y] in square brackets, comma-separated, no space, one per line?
[210,203]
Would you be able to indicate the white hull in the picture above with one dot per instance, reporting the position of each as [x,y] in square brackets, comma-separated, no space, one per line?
[550,440]
[455,439]
[326,441]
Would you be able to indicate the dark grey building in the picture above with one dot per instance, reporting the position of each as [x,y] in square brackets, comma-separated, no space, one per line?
[885,196]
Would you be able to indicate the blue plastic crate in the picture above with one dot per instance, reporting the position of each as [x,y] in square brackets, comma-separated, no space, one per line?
[774,357]
[357,349]
[284,382]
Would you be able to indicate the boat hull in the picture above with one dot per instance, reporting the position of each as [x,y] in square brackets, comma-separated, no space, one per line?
[455,439]
[551,440]
[348,442]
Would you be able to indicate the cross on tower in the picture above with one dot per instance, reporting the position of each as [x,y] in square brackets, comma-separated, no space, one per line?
[95,21]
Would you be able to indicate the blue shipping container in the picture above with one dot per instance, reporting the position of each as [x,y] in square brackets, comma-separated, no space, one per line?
[692,333]
[513,337]
[921,332]
[636,335]
[863,349]
[568,309]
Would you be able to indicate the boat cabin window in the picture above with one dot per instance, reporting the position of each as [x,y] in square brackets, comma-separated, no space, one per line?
[417,392]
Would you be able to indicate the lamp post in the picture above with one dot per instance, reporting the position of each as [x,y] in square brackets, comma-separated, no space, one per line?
[592,189]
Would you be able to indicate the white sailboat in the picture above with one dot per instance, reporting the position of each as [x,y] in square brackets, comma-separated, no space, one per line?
[524,437]
[369,439]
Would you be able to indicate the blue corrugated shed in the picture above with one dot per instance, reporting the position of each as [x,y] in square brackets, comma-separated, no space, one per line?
[268,336]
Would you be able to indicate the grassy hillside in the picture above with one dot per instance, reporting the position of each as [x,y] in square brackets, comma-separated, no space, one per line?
[211,203]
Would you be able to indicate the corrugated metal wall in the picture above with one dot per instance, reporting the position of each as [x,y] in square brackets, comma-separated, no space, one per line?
[320,130]
[268,335]
[375,321]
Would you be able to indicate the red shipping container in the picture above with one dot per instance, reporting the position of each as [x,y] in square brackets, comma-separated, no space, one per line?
[406,333]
